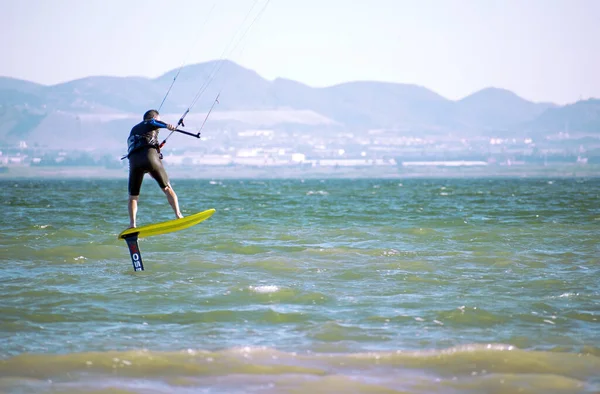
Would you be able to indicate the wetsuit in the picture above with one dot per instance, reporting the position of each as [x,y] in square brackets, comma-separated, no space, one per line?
[144,155]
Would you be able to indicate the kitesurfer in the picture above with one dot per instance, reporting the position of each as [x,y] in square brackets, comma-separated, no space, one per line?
[145,157]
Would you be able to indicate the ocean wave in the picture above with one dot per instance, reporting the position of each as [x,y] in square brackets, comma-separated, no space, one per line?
[473,368]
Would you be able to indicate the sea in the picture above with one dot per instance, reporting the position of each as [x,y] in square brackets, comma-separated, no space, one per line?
[421,285]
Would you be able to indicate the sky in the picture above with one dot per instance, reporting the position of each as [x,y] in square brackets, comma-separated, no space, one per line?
[543,50]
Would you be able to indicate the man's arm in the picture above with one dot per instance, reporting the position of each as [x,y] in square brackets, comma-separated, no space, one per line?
[159,124]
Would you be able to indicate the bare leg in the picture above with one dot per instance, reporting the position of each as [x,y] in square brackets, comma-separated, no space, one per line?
[172,198]
[132,207]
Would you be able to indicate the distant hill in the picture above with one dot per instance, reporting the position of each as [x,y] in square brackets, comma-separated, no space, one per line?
[88,110]
[498,109]
[580,118]
[19,85]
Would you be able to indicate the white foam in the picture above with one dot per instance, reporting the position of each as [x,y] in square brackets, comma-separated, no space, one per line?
[264,289]
[565,295]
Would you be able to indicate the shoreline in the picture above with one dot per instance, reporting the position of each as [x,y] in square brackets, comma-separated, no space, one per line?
[246,172]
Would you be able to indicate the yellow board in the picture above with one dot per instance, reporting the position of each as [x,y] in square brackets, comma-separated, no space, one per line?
[168,226]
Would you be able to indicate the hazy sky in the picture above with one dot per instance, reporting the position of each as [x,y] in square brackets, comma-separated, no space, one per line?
[543,50]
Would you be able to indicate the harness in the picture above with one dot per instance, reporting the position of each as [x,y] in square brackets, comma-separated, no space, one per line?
[145,138]
[136,141]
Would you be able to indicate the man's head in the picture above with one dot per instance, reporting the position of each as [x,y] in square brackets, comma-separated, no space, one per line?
[151,114]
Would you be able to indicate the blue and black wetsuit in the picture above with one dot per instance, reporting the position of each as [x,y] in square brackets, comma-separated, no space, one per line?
[144,155]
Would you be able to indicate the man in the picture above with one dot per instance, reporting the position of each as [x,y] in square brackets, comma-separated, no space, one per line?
[145,157]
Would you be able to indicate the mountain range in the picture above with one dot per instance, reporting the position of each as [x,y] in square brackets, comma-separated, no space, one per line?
[102,109]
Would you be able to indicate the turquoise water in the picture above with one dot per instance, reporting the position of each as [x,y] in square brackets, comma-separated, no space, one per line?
[412,286]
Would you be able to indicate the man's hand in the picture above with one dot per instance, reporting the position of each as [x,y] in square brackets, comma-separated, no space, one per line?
[171,127]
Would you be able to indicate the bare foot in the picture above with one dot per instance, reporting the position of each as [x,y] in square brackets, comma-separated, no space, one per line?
[179,215]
